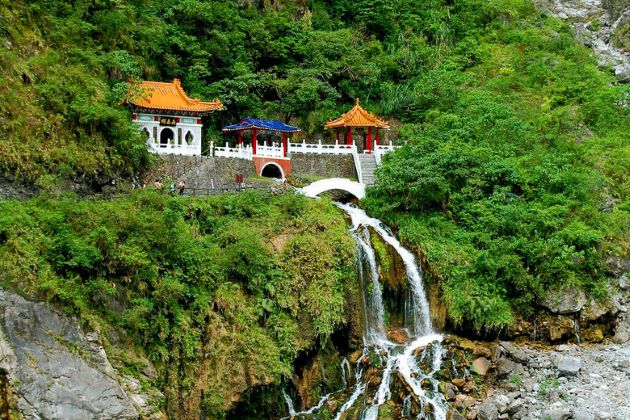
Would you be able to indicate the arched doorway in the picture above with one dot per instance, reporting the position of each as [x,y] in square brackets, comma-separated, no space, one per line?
[166,136]
[272,170]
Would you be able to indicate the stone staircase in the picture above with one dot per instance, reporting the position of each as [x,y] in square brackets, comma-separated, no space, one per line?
[368,166]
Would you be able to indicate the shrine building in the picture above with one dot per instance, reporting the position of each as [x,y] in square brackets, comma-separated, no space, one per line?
[170,119]
[359,118]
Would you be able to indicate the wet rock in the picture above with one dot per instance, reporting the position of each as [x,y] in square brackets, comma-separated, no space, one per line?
[488,411]
[481,350]
[514,352]
[459,382]
[560,327]
[565,301]
[569,365]
[593,334]
[451,392]
[454,415]
[596,309]
[464,401]
[398,335]
[481,366]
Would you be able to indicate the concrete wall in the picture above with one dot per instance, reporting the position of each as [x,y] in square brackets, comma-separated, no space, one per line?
[328,166]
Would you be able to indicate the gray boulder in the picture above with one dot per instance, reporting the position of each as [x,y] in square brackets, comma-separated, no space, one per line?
[624,282]
[617,266]
[502,402]
[565,301]
[557,413]
[58,372]
[488,411]
[622,330]
[514,352]
[569,366]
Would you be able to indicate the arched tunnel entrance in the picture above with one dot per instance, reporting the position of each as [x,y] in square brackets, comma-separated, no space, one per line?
[272,170]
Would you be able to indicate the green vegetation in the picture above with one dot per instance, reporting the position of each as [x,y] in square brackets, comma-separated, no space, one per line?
[548,384]
[220,293]
[513,178]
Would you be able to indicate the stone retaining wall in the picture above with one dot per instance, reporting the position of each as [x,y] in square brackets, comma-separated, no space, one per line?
[327,166]
[201,171]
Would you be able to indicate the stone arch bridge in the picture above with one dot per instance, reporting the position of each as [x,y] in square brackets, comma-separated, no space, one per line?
[316,188]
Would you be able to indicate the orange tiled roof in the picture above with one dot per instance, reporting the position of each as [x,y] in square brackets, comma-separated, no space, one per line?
[171,97]
[357,117]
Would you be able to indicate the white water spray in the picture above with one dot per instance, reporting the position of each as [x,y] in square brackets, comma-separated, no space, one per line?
[399,359]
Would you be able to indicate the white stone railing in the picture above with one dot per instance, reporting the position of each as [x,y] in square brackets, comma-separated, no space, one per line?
[381,149]
[320,148]
[242,152]
[357,163]
[273,151]
[173,148]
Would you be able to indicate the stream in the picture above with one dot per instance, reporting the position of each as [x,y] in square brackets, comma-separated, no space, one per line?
[414,362]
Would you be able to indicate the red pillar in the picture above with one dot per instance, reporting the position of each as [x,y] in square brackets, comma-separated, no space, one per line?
[254,140]
[369,140]
[349,135]
[284,144]
[378,136]
[240,138]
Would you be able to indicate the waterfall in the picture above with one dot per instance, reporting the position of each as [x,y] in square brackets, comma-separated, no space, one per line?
[400,359]
[289,402]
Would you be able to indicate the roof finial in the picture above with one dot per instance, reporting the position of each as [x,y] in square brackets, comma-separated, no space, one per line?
[358,101]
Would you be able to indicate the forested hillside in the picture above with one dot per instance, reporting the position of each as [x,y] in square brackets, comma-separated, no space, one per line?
[512,180]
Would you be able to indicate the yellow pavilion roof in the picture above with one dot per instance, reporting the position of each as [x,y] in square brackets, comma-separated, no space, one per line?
[170,96]
[357,117]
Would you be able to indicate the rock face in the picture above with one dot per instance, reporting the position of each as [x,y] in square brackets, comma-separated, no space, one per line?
[598,24]
[57,371]
[565,301]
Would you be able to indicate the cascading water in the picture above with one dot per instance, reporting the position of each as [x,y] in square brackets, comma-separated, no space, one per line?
[400,360]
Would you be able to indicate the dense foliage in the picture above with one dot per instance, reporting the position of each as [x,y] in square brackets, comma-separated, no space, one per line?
[221,293]
[513,179]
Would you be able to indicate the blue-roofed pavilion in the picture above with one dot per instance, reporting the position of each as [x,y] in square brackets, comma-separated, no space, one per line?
[255,125]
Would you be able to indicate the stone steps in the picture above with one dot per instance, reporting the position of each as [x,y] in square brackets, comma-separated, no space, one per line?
[368,166]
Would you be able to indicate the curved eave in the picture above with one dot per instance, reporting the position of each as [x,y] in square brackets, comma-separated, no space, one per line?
[228,130]
[173,111]
[333,125]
